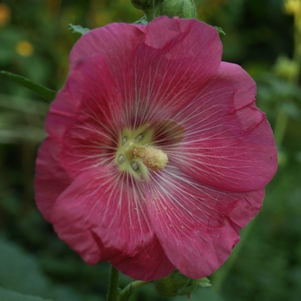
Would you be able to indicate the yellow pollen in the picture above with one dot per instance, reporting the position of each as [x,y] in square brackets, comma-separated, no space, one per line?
[152,158]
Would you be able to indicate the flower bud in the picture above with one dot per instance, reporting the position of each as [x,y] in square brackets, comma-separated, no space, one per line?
[180,8]
[177,284]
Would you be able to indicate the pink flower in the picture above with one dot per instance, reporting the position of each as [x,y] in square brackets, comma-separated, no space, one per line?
[156,154]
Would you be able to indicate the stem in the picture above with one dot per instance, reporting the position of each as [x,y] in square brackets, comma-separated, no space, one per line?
[128,290]
[280,127]
[113,285]
[150,7]
[149,15]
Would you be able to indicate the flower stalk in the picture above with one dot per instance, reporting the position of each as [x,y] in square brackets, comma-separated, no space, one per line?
[129,289]
[113,285]
[150,7]
[115,294]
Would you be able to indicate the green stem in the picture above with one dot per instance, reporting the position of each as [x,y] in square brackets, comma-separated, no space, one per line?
[113,285]
[150,7]
[128,290]
[280,127]
[149,15]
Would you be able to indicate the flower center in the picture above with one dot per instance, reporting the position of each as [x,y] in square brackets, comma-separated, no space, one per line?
[152,158]
[137,155]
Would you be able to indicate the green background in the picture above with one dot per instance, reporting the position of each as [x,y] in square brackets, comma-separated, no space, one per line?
[262,36]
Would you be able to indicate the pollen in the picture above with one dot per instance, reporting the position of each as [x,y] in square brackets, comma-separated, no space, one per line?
[153,158]
[137,155]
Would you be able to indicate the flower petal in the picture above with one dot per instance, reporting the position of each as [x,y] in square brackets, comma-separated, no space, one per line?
[102,216]
[51,178]
[91,135]
[157,71]
[90,86]
[86,116]
[150,264]
[228,143]
[197,225]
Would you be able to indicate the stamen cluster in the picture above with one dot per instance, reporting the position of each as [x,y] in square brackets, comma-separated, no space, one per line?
[136,154]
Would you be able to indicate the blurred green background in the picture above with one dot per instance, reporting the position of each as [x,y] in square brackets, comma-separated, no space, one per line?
[262,36]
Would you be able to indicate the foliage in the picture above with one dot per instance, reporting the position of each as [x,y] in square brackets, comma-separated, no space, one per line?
[44,92]
[35,43]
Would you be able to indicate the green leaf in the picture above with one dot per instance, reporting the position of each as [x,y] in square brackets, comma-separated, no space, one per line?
[142,21]
[220,30]
[175,284]
[20,272]
[7,295]
[78,29]
[46,93]
[206,294]
[204,282]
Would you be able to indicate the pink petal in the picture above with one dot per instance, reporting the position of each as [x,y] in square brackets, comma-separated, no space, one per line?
[86,116]
[150,264]
[157,71]
[92,135]
[228,143]
[51,178]
[197,225]
[102,216]
[90,86]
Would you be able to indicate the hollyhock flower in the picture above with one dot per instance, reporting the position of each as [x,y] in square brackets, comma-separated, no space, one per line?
[156,154]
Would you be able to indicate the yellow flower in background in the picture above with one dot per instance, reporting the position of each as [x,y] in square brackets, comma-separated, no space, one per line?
[286,68]
[4,14]
[292,6]
[24,48]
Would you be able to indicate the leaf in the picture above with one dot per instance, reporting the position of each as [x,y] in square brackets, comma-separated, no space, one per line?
[7,295]
[142,21]
[204,282]
[203,294]
[78,29]
[220,30]
[20,271]
[46,93]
